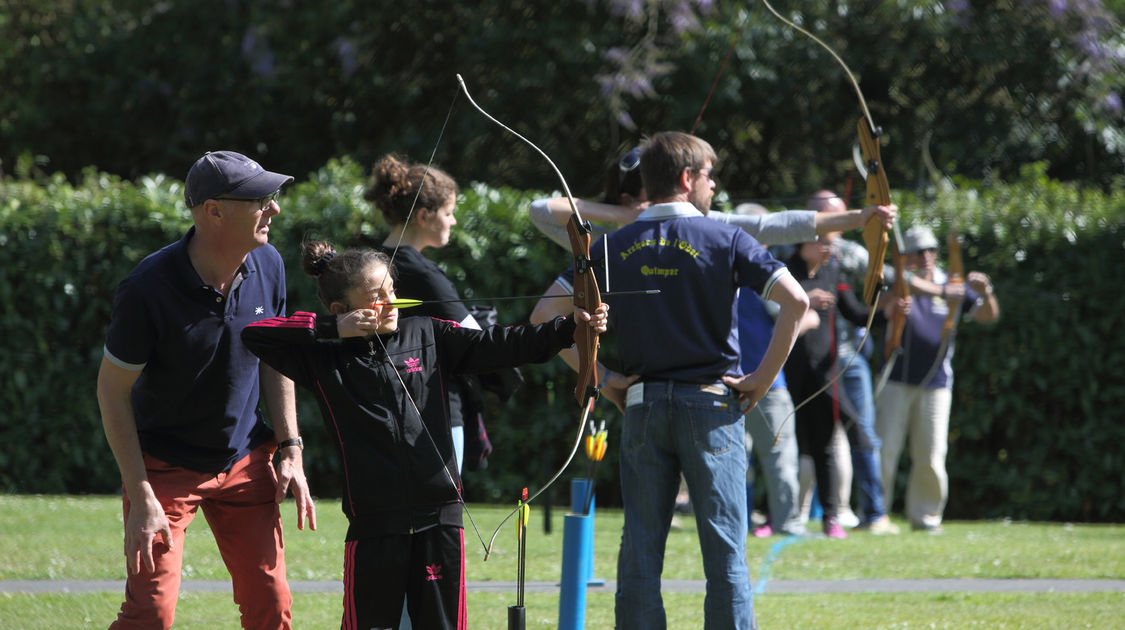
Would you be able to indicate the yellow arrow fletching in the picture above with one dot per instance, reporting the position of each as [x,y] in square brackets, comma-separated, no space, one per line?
[403,303]
[406,303]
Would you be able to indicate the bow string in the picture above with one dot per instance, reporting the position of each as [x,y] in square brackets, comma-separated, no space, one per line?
[878,193]
[446,468]
[956,275]
[892,348]
[878,190]
[585,295]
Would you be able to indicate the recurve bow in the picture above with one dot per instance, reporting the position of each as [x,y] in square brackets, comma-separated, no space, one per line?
[585,295]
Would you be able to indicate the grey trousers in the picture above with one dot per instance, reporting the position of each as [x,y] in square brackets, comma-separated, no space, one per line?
[774,414]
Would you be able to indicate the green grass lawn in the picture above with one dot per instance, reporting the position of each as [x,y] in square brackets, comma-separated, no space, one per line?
[79,538]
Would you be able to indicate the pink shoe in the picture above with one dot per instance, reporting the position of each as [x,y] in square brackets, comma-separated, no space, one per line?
[765,531]
[832,529]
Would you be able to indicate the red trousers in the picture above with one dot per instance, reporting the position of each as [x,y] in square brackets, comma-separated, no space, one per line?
[239,506]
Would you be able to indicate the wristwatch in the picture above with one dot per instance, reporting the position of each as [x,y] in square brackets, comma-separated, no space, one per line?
[297,441]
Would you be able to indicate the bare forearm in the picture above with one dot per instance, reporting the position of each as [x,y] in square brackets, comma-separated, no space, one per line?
[121,434]
[855,219]
[827,222]
[921,286]
[785,331]
[281,403]
[570,357]
[794,304]
[550,306]
[120,429]
[989,310]
[590,210]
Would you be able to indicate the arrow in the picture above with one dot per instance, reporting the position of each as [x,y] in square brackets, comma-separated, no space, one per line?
[521,528]
[596,444]
[409,303]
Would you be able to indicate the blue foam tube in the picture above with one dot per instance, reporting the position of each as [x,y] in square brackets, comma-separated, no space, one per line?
[578,549]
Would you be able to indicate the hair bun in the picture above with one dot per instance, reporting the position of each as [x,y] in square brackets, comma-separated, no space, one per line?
[320,264]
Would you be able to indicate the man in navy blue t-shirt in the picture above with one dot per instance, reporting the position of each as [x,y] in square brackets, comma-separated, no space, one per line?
[179,401]
[683,415]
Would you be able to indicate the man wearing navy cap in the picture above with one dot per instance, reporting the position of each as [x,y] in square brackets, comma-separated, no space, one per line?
[179,401]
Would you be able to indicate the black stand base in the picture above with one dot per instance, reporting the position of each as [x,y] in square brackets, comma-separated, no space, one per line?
[516,618]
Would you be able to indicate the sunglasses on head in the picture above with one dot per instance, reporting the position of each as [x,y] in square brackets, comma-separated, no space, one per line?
[628,162]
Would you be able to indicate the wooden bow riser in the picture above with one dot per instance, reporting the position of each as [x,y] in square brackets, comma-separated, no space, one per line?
[878,194]
[956,277]
[588,297]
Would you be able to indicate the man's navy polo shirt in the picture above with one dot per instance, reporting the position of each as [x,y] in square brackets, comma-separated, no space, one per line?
[196,401]
[688,332]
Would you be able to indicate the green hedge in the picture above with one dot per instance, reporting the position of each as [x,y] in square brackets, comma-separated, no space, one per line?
[1038,400]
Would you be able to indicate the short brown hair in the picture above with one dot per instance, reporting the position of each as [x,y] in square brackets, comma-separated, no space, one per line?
[666,155]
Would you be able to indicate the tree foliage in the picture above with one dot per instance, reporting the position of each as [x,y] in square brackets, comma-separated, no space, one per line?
[135,87]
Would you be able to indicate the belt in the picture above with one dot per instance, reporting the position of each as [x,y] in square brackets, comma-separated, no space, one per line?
[635,395]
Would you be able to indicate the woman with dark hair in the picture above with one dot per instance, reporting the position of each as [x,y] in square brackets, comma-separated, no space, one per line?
[418,202]
[811,367]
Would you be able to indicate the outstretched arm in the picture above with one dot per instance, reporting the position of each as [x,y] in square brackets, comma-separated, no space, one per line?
[559,209]
[613,384]
[827,222]
[801,226]
[989,310]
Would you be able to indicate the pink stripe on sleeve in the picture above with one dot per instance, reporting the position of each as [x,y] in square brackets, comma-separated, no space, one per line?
[299,319]
[462,603]
[349,621]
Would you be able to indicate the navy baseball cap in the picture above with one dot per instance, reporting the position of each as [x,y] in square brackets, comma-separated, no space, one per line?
[229,174]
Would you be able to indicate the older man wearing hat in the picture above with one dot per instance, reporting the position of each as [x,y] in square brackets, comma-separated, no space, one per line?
[179,393]
[915,403]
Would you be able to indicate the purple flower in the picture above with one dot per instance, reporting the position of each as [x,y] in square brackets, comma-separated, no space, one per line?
[957,6]
[606,82]
[618,55]
[1111,103]
[625,120]
[683,19]
[1088,43]
[633,10]
[256,50]
[249,40]
[346,50]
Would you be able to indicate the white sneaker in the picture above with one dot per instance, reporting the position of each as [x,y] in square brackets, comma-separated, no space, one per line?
[880,526]
[847,518]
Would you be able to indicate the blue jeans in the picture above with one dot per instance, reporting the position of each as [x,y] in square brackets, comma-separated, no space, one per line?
[864,442]
[680,428]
